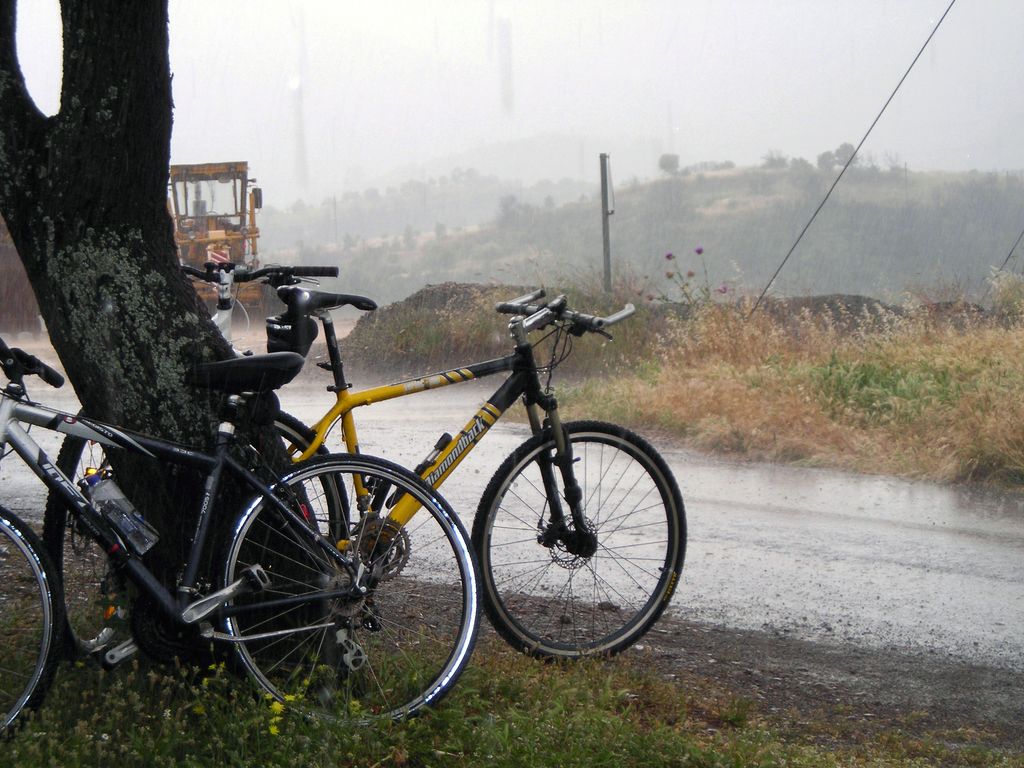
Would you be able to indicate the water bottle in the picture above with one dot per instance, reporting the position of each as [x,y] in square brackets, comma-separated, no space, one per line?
[111,502]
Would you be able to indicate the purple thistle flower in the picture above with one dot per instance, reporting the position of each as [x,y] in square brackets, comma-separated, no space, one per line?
[699,250]
[669,256]
[723,288]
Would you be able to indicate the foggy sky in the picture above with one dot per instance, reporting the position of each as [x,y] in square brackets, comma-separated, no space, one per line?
[322,96]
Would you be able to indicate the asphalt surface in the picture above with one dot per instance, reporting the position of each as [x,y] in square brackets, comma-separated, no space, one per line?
[806,554]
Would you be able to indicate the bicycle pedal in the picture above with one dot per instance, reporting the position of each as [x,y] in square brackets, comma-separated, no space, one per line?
[119,654]
[256,577]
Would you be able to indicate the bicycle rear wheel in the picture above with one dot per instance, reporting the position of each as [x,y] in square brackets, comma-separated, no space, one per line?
[32,613]
[384,654]
[88,584]
[549,602]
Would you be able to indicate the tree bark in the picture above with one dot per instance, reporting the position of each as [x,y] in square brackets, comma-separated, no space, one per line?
[84,195]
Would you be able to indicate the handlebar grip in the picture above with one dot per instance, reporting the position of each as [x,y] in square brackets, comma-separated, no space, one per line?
[582,323]
[622,314]
[50,376]
[33,364]
[314,271]
[510,308]
[520,306]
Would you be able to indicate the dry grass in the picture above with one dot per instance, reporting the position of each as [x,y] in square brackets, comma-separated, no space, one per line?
[910,393]
[932,391]
[455,324]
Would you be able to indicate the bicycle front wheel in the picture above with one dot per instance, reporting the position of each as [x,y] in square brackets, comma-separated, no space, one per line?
[544,599]
[33,612]
[384,652]
[89,584]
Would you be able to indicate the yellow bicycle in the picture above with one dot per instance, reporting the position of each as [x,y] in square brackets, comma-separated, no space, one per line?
[581,532]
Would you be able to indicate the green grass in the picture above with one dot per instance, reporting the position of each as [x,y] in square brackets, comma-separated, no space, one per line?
[508,710]
[884,391]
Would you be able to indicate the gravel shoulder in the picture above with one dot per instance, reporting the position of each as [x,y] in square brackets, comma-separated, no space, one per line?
[857,694]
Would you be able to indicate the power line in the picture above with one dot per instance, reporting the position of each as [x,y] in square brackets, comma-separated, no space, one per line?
[850,160]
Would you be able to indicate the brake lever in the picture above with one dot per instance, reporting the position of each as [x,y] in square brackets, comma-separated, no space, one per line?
[576,329]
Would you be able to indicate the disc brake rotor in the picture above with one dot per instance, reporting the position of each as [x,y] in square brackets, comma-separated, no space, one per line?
[383,545]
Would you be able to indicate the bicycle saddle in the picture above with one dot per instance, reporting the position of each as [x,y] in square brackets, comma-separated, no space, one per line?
[304,301]
[254,373]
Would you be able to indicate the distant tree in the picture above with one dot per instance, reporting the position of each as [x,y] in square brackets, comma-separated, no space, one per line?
[409,237]
[774,160]
[843,154]
[669,164]
[826,161]
[800,164]
[508,211]
[894,163]
[440,231]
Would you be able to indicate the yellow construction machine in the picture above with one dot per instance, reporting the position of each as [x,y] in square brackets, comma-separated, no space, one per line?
[214,210]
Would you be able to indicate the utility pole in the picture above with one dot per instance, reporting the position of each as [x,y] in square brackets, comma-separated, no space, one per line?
[605,213]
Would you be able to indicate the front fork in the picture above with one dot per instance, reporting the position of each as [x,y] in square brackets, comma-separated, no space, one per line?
[574,534]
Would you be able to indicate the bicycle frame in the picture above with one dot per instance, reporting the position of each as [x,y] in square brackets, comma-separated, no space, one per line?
[15,411]
[523,382]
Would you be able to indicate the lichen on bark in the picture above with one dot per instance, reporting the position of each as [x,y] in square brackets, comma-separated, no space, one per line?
[121,315]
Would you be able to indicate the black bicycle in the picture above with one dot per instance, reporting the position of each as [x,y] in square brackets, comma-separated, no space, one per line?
[322,602]
[581,532]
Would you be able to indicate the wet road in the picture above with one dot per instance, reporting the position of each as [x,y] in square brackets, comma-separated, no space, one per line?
[805,553]
[808,553]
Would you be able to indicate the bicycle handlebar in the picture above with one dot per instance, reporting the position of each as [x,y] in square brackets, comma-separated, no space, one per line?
[242,274]
[540,315]
[314,271]
[515,306]
[17,362]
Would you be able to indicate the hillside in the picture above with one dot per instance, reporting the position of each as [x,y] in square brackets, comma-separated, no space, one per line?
[882,234]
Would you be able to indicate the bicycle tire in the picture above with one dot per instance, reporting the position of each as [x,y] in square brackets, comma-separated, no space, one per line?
[389,655]
[88,584]
[549,603]
[296,434]
[33,612]
[297,438]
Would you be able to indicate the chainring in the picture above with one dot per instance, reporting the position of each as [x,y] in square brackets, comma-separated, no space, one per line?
[383,545]
[162,639]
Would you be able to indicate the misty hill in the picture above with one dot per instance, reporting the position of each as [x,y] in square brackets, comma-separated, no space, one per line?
[882,233]
[461,198]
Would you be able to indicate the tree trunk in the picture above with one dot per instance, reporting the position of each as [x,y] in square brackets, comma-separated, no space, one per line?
[84,195]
